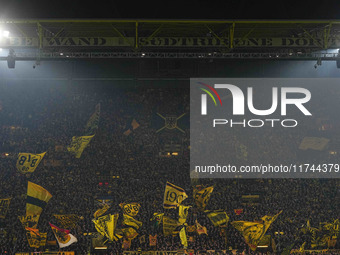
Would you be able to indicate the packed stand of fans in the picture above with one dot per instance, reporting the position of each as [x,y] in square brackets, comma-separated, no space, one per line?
[43,117]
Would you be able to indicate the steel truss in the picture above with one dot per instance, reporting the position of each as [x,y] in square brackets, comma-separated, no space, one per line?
[187,55]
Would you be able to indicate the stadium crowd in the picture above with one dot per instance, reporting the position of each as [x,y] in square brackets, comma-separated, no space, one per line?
[45,118]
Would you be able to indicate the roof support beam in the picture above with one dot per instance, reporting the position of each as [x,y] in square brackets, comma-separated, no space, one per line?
[219,38]
[231,35]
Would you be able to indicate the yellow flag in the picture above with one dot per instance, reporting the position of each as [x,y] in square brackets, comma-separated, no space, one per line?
[169,225]
[101,211]
[67,221]
[93,122]
[202,196]
[28,162]
[130,221]
[183,213]
[173,196]
[332,228]
[78,145]
[111,225]
[254,231]
[33,238]
[183,238]
[37,198]
[157,217]
[4,205]
[251,231]
[218,217]
[106,225]
[29,221]
[130,209]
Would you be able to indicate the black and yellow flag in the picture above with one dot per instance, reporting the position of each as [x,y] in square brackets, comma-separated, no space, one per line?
[79,144]
[173,196]
[35,238]
[28,162]
[217,217]
[93,122]
[254,231]
[106,226]
[169,225]
[29,221]
[202,196]
[67,221]
[4,205]
[325,235]
[130,209]
[101,211]
[36,200]
[132,222]
[98,240]
[308,229]
[331,228]
[183,211]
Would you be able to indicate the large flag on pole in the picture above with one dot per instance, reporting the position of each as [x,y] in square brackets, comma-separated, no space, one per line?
[106,226]
[63,236]
[183,211]
[254,231]
[130,209]
[28,162]
[173,196]
[93,122]
[79,144]
[37,198]
[202,196]
[218,217]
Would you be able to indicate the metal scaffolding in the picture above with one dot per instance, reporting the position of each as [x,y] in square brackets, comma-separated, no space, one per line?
[58,39]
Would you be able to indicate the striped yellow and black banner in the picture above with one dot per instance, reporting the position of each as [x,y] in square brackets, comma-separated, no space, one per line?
[37,198]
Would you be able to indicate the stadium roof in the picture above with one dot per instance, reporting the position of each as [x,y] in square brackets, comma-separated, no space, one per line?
[58,38]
